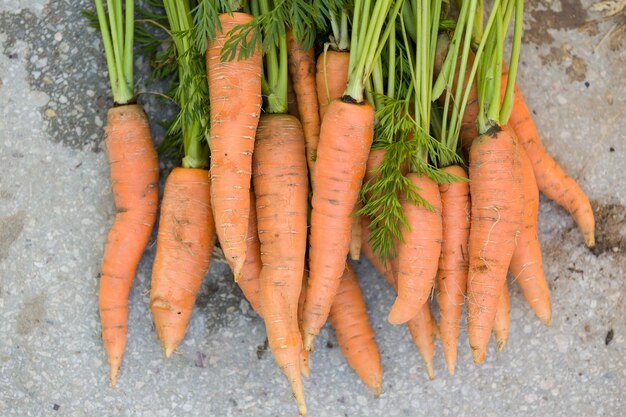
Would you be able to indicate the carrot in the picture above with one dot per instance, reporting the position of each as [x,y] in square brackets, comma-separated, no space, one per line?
[502,320]
[355,238]
[354,333]
[235,96]
[302,73]
[453,262]
[292,100]
[526,264]
[134,178]
[304,365]
[497,206]
[281,187]
[345,138]
[418,252]
[331,78]
[251,271]
[184,247]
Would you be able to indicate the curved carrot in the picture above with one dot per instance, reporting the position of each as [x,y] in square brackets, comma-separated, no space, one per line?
[331,78]
[134,178]
[184,247]
[302,73]
[502,320]
[345,140]
[526,264]
[497,207]
[354,333]
[235,97]
[249,282]
[453,263]
[281,187]
[418,252]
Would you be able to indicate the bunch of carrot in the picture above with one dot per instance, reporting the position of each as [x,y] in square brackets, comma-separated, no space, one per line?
[389,115]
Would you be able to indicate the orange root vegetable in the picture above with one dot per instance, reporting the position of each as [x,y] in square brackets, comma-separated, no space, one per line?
[354,333]
[345,139]
[497,207]
[184,247]
[418,253]
[281,187]
[134,178]
[249,282]
[235,97]
[302,73]
[304,364]
[355,240]
[502,320]
[331,78]
[292,100]
[526,264]
[422,328]
[453,263]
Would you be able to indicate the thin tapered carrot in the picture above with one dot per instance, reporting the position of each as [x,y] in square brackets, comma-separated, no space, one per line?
[235,97]
[331,78]
[502,320]
[134,178]
[497,208]
[304,364]
[302,74]
[356,237]
[184,247]
[526,264]
[418,252]
[354,333]
[249,282]
[345,139]
[281,188]
[453,262]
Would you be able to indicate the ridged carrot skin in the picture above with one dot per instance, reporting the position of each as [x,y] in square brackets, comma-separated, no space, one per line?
[331,78]
[302,71]
[134,180]
[235,97]
[249,282]
[497,207]
[502,320]
[345,139]
[526,264]
[185,244]
[354,333]
[418,252]
[453,262]
[281,187]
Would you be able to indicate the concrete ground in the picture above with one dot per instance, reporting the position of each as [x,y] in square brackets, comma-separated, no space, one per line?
[56,207]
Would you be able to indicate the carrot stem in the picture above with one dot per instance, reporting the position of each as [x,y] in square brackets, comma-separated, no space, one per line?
[507,102]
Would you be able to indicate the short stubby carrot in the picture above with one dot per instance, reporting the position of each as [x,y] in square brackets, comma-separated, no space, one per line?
[185,244]
[354,333]
[497,207]
[281,187]
[331,78]
[302,72]
[250,281]
[526,264]
[345,140]
[134,178]
[502,320]
[235,98]
[453,263]
[418,252]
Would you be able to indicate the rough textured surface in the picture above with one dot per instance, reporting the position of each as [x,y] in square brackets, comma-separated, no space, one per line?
[56,207]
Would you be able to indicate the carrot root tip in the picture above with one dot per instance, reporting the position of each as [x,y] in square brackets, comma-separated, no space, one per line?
[237,269]
[590,239]
[500,345]
[478,355]
[168,350]
[113,376]
[396,316]
[547,321]
[430,371]
[309,342]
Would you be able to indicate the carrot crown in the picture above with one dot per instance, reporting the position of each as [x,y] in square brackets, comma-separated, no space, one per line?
[116,25]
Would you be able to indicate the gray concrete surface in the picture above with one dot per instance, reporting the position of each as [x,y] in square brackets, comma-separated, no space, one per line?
[56,207]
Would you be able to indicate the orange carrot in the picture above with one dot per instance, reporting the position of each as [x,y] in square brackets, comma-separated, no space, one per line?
[355,238]
[235,97]
[354,333]
[502,320]
[453,263]
[134,178]
[302,73]
[526,264]
[281,187]
[418,252]
[251,271]
[304,365]
[497,207]
[345,140]
[184,247]
[331,78]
